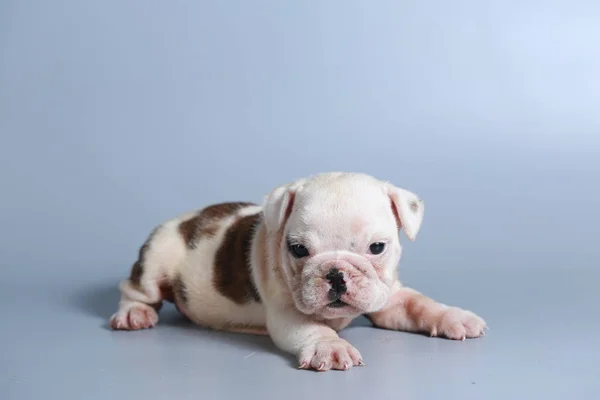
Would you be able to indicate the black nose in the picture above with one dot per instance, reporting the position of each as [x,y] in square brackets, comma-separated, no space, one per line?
[338,285]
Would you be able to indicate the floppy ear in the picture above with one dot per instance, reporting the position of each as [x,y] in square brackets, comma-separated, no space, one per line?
[278,205]
[407,208]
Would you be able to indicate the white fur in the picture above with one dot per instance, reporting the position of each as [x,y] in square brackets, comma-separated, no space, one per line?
[168,255]
[337,216]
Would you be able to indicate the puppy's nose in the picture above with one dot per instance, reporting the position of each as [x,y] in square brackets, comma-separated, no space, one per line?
[336,280]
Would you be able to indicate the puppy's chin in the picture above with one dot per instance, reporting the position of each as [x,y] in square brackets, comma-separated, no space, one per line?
[340,309]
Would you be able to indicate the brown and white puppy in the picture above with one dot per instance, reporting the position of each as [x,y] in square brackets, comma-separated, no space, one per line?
[318,253]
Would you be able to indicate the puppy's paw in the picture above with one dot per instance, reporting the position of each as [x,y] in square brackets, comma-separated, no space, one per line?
[458,324]
[139,316]
[327,354]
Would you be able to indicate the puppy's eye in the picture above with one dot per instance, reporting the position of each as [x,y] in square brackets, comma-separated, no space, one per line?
[377,248]
[298,250]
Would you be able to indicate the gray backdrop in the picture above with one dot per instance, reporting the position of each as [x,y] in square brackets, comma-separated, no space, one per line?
[115,115]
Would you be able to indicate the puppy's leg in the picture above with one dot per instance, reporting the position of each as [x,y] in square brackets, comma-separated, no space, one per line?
[316,345]
[150,281]
[409,310]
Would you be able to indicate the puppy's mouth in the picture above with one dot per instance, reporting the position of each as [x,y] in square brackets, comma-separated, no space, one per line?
[337,304]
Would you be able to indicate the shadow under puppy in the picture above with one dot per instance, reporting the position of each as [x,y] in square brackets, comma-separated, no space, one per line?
[316,254]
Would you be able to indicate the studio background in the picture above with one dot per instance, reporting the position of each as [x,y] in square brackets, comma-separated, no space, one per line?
[116,115]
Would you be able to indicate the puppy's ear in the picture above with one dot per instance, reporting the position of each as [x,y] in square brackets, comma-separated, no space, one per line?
[278,205]
[407,208]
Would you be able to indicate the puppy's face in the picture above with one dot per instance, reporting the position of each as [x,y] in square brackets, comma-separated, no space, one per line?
[338,245]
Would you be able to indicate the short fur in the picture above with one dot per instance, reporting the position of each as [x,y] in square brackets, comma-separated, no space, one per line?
[229,267]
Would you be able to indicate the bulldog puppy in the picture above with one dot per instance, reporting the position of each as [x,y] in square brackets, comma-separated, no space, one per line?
[316,254]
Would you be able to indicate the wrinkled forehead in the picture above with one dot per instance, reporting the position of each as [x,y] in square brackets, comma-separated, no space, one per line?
[342,211]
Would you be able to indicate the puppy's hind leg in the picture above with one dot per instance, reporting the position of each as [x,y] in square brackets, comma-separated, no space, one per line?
[150,280]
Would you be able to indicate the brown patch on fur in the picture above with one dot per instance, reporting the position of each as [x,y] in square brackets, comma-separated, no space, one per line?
[189,230]
[205,222]
[223,210]
[137,270]
[232,276]
[179,290]
[171,291]
[166,291]
[166,294]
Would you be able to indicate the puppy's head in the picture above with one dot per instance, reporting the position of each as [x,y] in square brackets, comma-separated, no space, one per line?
[336,240]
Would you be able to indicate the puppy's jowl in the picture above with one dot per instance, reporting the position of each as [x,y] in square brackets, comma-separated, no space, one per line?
[316,254]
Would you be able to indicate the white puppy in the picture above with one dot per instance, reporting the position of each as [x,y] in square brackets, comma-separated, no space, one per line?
[318,253]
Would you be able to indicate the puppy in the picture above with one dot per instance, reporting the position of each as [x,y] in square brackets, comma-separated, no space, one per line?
[300,267]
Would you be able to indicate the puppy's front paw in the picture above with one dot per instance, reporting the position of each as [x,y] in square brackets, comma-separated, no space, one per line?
[327,354]
[458,324]
[139,316]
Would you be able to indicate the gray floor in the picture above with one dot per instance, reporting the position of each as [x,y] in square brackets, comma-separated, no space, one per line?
[542,343]
[115,116]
